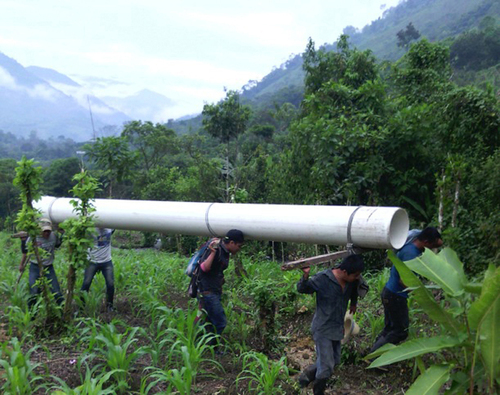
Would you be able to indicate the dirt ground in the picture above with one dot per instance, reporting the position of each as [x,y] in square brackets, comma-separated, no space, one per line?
[57,357]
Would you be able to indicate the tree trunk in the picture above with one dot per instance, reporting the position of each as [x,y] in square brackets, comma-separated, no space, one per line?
[71,280]
[455,203]
[441,203]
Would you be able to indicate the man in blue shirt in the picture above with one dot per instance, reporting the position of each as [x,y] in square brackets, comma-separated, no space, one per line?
[394,298]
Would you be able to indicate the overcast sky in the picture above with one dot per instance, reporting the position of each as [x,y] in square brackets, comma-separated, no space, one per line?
[186,50]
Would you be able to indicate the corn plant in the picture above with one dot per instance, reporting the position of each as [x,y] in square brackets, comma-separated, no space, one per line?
[115,348]
[469,323]
[185,333]
[182,380]
[375,323]
[262,373]
[89,303]
[20,321]
[91,385]
[18,375]
[238,329]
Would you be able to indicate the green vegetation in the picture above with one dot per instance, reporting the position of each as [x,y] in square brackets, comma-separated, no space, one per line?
[468,349]
[421,133]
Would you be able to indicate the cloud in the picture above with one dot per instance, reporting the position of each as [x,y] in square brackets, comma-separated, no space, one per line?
[39,91]
[6,80]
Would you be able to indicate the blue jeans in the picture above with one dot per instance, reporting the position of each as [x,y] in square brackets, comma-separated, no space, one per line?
[211,303]
[106,268]
[396,320]
[50,274]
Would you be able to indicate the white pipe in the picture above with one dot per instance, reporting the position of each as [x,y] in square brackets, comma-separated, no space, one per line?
[371,227]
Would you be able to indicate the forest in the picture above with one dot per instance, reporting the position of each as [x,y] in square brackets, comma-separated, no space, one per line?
[405,133]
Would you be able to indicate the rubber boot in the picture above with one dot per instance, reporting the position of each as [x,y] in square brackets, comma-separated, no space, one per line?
[319,386]
[307,376]
[379,343]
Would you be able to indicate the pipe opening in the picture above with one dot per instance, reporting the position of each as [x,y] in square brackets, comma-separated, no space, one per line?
[398,230]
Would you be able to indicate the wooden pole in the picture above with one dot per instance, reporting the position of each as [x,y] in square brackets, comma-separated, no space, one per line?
[318,260]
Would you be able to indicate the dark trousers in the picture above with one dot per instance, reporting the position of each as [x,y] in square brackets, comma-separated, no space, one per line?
[327,356]
[396,319]
[211,303]
[106,268]
[49,274]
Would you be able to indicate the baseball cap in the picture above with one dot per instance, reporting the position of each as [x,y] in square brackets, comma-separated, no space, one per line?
[235,235]
[45,224]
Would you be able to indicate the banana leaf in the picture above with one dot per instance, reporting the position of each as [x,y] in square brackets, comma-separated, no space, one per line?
[485,303]
[416,347]
[431,381]
[450,256]
[484,315]
[378,352]
[474,288]
[438,270]
[425,299]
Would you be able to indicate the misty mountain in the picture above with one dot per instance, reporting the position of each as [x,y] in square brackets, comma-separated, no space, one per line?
[145,105]
[49,103]
[434,19]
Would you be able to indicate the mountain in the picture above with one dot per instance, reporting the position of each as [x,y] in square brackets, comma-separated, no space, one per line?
[40,100]
[101,111]
[145,105]
[434,19]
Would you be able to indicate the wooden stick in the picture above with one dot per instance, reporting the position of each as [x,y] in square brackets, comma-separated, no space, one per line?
[318,260]
[20,235]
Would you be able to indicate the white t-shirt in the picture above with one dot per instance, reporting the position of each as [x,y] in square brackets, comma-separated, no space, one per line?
[101,252]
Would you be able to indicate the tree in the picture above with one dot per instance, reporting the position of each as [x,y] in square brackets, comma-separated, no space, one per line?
[334,144]
[57,177]
[113,157]
[152,142]
[78,233]
[8,193]
[405,37]
[225,121]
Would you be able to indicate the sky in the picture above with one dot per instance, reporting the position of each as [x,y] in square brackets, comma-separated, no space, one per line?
[189,51]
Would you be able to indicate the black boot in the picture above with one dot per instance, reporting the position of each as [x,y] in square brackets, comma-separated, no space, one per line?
[319,386]
[307,376]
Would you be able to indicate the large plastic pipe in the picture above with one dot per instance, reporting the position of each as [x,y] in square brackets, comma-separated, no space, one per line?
[370,227]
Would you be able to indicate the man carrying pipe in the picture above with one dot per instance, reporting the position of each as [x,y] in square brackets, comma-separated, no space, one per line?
[48,241]
[394,296]
[333,288]
[100,261]
[211,277]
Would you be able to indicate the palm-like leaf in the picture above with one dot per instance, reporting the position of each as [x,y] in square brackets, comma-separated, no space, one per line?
[414,348]
[439,271]
[430,382]
[425,298]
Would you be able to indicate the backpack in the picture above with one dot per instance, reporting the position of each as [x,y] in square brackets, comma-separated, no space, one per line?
[193,269]
[194,262]
[412,236]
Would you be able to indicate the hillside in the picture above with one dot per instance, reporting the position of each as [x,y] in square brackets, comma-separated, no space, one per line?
[49,103]
[434,19]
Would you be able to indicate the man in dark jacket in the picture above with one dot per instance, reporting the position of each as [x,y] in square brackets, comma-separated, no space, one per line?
[333,288]
[211,277]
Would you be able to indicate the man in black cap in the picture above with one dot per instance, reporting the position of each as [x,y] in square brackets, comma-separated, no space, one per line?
[211,277]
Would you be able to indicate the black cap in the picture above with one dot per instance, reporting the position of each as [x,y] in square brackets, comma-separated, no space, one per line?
[235,235]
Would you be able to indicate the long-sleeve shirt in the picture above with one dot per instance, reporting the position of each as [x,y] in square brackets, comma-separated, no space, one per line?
[331,303]
[407,253]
